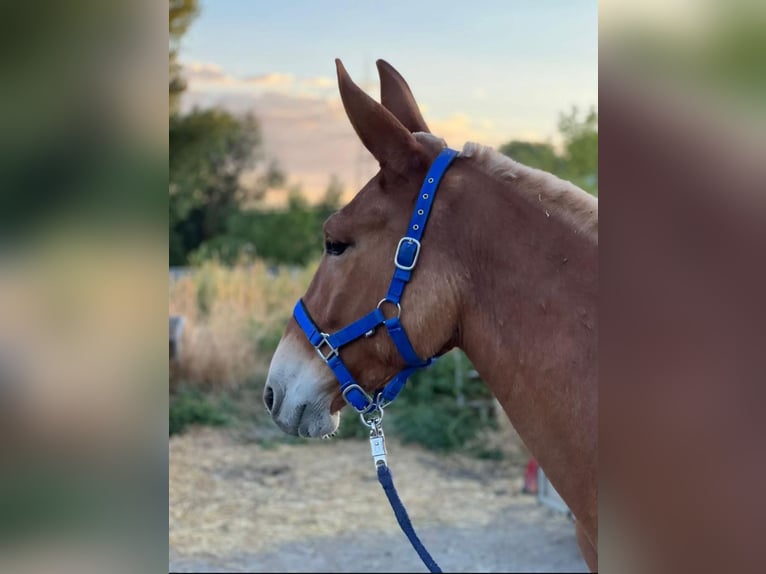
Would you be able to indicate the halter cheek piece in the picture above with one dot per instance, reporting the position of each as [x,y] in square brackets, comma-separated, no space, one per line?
[406,258]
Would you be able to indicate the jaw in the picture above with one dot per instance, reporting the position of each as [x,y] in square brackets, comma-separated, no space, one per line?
[300,391]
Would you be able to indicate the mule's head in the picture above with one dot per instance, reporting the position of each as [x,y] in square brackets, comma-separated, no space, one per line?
[301,392]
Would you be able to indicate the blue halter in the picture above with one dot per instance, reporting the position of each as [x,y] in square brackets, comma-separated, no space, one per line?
[406,258]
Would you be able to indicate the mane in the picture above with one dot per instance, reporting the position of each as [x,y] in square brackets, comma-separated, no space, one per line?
[559,198]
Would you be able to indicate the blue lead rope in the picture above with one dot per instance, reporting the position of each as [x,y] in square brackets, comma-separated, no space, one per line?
[387,482]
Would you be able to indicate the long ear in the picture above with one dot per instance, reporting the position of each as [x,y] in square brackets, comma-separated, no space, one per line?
[382,134]
[396,96]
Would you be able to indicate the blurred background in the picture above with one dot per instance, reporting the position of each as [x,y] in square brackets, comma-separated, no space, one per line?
[682,150]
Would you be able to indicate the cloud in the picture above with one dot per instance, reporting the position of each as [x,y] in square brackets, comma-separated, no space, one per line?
[310,137]
[321,82]
[273,79]
[197,73]
[209,76]
[305,127]
[459,128]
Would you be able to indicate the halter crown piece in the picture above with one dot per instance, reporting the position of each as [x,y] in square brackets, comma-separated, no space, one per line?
[406,258]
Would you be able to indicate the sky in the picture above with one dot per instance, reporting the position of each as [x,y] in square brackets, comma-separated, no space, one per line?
[487,71]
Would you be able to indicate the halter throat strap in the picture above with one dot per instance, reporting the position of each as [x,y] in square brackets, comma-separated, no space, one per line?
[328,346]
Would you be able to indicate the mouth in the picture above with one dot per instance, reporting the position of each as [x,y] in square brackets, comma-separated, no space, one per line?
[303,427]
[308,421]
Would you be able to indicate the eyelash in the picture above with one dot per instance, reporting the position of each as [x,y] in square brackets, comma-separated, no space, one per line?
[335,247]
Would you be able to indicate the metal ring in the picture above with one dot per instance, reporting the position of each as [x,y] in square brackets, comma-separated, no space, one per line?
[430,180]
[375,421]
[425,196]
[381,402]
[387,300]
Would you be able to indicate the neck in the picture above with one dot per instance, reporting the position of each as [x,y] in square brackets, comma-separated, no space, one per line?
[529,323]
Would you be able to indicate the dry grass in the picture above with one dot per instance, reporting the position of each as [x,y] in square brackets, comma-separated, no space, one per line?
[228,495]
[234,318]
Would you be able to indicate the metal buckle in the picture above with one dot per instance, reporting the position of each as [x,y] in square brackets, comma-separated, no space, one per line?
[333,350]
[414,259]
[366,395]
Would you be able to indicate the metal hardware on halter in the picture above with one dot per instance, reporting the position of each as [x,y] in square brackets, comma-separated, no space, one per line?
[374,419]
[378,445]
[361,390]
[382,403]
[325,341]
[409,240]
[377,439]
[398,305]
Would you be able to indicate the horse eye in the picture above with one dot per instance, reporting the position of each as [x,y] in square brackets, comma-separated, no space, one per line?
[335,247]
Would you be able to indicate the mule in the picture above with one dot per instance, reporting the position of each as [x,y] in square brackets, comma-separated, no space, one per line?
[508,272]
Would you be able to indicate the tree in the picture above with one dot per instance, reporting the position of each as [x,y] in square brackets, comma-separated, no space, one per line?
[537,155]
[330,202]
[290,235]
[209,151]
[212,213]
[581,148]
[578,161]
[182,14]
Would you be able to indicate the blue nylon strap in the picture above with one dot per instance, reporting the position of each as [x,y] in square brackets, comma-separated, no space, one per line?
[409,246]
[356,329]
[402,342]
[304,322]
[343,337]
[398,281]
[387,482]
[395,385]
[428,192]
[354,396]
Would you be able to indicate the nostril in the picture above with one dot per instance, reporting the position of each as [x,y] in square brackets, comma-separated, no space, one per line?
[268,397]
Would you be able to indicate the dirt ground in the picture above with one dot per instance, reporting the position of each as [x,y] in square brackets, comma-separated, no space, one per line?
[239,505]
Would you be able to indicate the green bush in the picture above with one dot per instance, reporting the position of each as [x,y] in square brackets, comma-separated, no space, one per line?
[439,414]
[190,406]
[206,291]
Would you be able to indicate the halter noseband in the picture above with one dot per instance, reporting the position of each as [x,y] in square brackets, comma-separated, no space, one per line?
[406,258]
